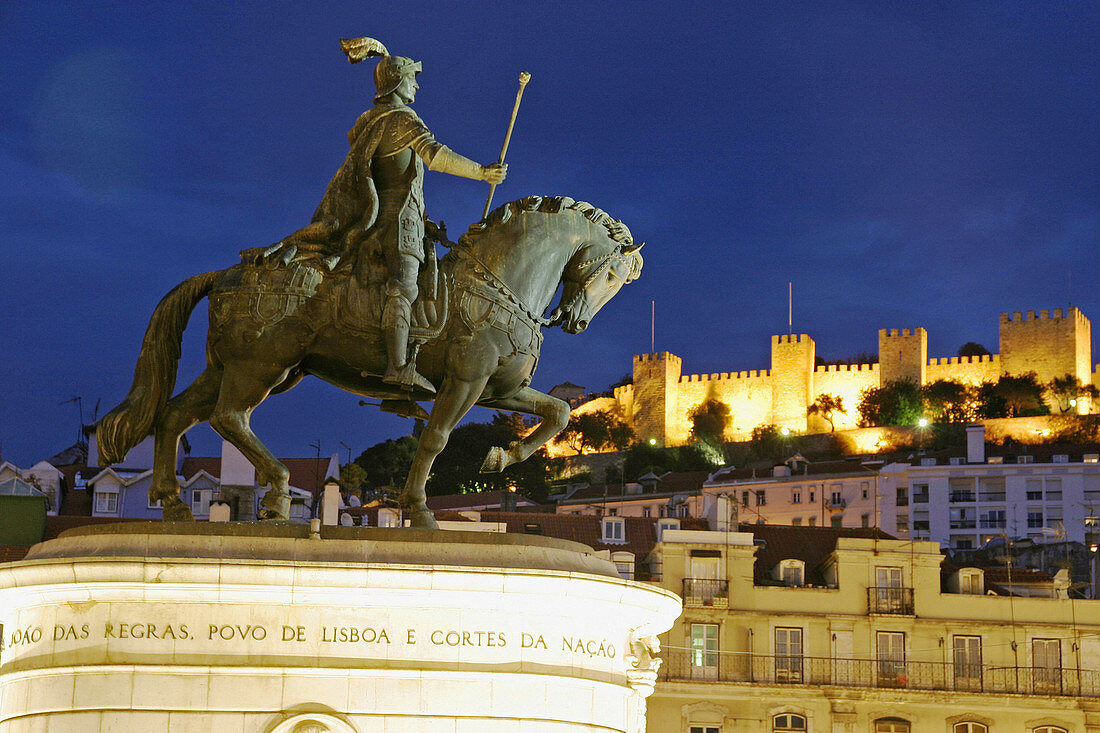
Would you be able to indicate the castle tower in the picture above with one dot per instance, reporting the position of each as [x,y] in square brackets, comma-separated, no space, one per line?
[1050,345]
[656,381]
[792,376]
[903,356]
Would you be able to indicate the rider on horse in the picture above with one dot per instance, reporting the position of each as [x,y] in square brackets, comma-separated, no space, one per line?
[375,202]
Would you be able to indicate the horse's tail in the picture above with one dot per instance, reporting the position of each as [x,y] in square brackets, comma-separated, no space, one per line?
[155,374]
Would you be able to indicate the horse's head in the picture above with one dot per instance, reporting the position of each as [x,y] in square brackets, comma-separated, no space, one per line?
[593,276]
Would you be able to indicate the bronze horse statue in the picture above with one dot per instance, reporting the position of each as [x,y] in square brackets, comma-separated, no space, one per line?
[273,324]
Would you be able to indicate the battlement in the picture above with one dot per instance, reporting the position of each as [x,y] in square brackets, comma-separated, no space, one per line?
[904,333]
[867,368]
[800,338]
[725,376]
[956,360]
[1044,315]
[662,356]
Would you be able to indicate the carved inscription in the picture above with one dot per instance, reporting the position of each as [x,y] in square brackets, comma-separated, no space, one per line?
[25,638]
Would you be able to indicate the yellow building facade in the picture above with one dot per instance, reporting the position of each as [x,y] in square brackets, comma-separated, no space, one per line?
[812,630]
[659,401]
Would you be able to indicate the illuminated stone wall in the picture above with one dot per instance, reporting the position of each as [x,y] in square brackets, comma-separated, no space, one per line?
[658,404]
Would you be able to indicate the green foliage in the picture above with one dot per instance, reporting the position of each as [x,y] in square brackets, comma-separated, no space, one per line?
[769,443]
[1012,397]
[457,468]
[352,475]
[971,348]
[1068,392]
[387,463]
[827,405]
[643,458]
[709,421]
[946,400]
[595,431]
[894,403]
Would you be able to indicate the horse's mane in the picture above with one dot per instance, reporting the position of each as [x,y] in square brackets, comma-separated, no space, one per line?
[547,205]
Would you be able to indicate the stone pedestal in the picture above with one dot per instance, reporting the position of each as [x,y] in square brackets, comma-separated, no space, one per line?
[243,628]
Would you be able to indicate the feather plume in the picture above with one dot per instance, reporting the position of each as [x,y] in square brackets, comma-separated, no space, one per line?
[358,49]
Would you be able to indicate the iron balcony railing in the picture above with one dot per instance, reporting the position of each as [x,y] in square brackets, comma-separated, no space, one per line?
[921,498]
[836,502]
[887,599]
[705,592]
[961,496]
[691,665]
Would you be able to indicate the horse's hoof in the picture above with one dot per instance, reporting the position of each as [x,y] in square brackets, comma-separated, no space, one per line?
[274,506]
[423,519]
[494,461]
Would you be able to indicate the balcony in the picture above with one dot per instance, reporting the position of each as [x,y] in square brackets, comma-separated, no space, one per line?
[704,592]
[993,496]
[964,524]
[884,599]
[878,673]
[835,502]
[960,497]
[921,498]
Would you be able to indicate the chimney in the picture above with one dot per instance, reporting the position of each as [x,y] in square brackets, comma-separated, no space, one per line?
[330,503]
[975,443]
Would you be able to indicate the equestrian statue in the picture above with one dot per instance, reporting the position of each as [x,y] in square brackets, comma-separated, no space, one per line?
[359,299]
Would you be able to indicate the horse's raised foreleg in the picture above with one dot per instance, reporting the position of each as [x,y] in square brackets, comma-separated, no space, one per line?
[554,414]
[452,402]
[243,387]
[184,410]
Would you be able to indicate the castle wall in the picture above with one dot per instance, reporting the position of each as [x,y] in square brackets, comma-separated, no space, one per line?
[656,403]
[902,356]
[1049,345]
[748,395]
[971,370]
[845,381]
[792,379]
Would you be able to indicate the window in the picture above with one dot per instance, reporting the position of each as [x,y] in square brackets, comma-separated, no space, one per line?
[865,521]
[891,725]
[788,654]
[863,488]
[971,583]
[796,496]
[891,660]
[788,723]
[920,493]
[837,521]
[704,651]
[969,728]
[1034,489]
[1053,489]
[1034,519]
[901,496]
[387,517]
[1046,665]
[200,501]
[682,510]
[760,500]
[813,521]
[834,498]
[745,498]
[612,529]
[613,512]
[704,729]
[624,564]
[1049,729]
[646,511]
[665,525]
[106,502]
[791,572]
[968,664]
[796,522]
[812,496]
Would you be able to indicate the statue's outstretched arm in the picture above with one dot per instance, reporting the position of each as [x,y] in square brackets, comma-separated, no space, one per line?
[446,160]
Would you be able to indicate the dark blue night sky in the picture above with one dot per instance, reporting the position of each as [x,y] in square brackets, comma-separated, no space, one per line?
[903,164]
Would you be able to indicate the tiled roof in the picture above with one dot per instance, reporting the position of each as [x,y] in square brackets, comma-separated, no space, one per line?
[822,468]
[469,501]
[13,553]
[640,532]
[305,473]
[812,545]
[686,482]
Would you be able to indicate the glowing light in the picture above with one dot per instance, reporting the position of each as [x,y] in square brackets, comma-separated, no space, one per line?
[923,422]
[784,431]
[653,441]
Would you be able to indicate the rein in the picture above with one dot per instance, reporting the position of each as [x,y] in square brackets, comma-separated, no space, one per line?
[498,285]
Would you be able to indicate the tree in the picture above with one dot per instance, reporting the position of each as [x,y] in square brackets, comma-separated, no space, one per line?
[709,421]
[387,463]
[1011,396]
[826,405]
[1067,392]
[894,403]
[595,431]
[352,475]
[643,458]
[457,470]
[946,400]
[769,442]
[971,348]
